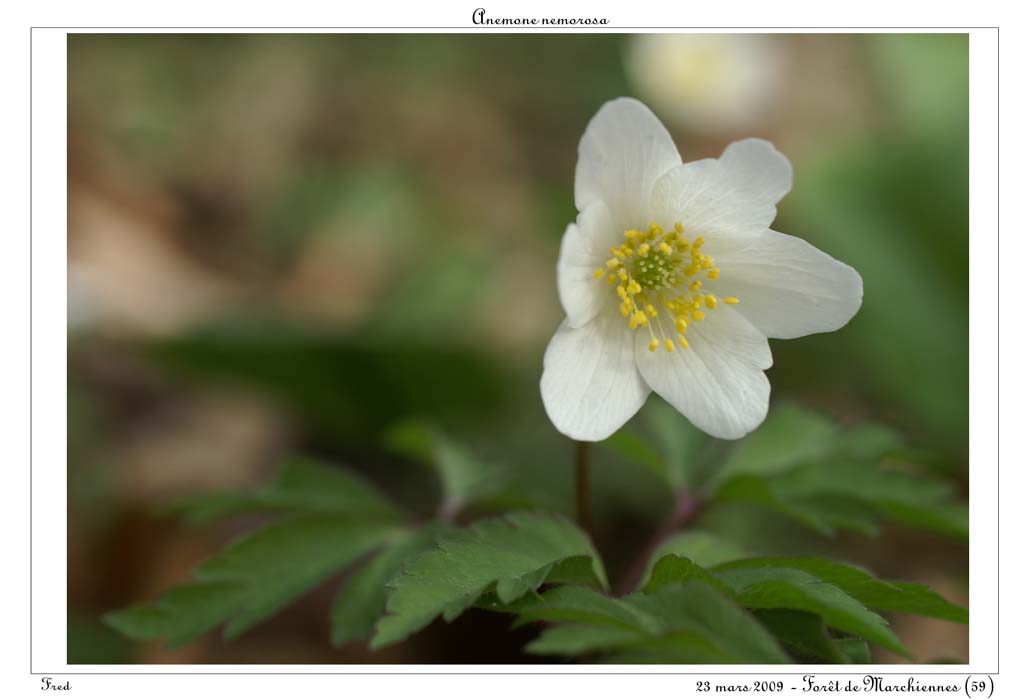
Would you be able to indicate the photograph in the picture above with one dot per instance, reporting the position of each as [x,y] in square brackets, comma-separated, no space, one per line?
[523,348]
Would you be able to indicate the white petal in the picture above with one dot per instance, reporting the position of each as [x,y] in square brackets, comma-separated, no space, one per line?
[758,171]
[727,201]
[718,383]
[585,247]
[787,287]
[623,152]
[590,384]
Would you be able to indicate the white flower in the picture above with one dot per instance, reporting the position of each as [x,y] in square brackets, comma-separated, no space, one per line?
[708,82]
[672,281]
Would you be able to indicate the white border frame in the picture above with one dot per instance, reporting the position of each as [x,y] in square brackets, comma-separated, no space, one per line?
[49,375]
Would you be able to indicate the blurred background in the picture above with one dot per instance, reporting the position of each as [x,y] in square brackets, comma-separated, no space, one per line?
[290,243]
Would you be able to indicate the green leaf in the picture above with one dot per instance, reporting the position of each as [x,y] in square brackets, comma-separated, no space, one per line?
[575,640]
[673,568]
[844,494]
[700,607]
[705,548]
[504,555]
[855,650]
[861,585]
[691,622]
[636,450]
[790,436]
[182,614]
[803,634]
[669,446]
[361,600]
[760,588]
[807,638]
[950,519]
[680,623]
[679,441]
[583,605]
[302,485]
[823,517]
[869,441]
[255,577]
[464,478]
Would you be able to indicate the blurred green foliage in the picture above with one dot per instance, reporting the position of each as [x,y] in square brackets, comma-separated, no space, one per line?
[417,187]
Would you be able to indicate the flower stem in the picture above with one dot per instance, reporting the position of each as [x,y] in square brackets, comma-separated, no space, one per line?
[582,485]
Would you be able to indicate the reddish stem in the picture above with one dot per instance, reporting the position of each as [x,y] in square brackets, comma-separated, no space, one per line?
[686,509]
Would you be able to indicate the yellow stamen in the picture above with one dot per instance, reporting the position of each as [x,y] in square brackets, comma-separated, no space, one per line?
[657,272]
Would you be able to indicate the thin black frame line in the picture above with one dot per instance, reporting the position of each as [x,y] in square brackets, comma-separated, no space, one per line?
[519,28]
[159,673]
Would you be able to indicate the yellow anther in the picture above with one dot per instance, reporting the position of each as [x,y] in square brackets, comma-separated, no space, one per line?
[665,282]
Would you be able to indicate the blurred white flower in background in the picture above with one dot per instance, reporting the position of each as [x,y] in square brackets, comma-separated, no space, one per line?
[708,82]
